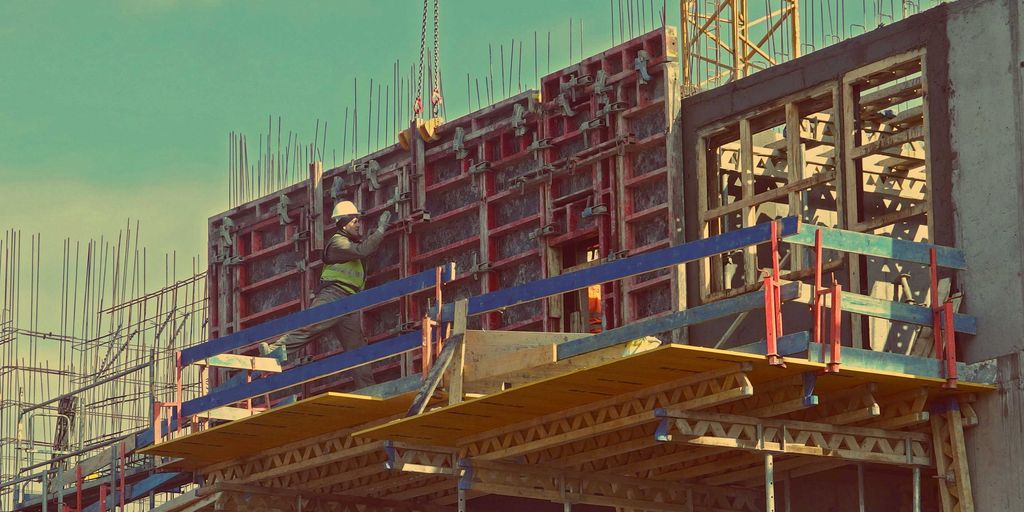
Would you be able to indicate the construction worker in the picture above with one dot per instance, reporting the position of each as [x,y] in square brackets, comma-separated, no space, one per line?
[343,274]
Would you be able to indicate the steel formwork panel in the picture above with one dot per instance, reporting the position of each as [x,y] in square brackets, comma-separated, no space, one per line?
[531,187]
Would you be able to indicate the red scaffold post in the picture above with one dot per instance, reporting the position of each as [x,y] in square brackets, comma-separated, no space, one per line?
[773,304]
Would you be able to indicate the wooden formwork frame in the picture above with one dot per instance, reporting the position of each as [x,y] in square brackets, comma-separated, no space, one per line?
[888,163]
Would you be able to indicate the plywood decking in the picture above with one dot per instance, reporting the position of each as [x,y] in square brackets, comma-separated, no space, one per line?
[447,426]
[302,420]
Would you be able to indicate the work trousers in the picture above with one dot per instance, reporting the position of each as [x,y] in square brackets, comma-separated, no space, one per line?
[347,328]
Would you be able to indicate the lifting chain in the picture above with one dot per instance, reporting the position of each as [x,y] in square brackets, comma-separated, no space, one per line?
[435,94]
[417,107]
[435,75]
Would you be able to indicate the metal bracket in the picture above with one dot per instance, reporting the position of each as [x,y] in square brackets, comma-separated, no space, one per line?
[640,65]
[597,122]
[282,210]
[226,227]
[479,167]
[389,449]
[810,379]
[611,108]
[300,235]
[337,185]
[466,479]
[302,265]
[545,230]
[617,255]
[563,102]
[597,209]
[415,217]
[538,144]
[479,267]
[574,83]
[232,260]
[601,86]
[542,173]
[519,119]
[369,169]
[458,143]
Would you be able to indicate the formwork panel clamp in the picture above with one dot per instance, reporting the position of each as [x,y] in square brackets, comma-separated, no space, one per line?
[370,170]
[597,209]
[542,231]
[459,143]
[479,167]
[519,119]
[282,210]
[640,65]
[539,144]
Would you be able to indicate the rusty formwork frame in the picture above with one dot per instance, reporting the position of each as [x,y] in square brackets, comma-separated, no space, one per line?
[527,188]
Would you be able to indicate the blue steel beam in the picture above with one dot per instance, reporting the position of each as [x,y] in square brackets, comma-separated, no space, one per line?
[305,373]
[674,320]
[880,246]
[625,267]
[376,295]
[902,312]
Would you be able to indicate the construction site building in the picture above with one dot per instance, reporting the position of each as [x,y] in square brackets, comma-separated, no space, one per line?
[668,279]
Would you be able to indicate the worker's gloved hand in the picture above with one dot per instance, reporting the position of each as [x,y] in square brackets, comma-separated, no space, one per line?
[383,221]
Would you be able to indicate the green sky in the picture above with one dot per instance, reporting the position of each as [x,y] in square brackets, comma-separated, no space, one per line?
[121,109]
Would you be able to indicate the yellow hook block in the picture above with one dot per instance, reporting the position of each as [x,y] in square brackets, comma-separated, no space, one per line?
[428,130]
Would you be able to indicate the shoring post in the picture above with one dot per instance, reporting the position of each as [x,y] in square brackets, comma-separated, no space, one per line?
[177,389]
[835,341]
[157,431]
[104,487]
[769,482]
[861,498]
[120,490]
[773,304]
[425,356]
[917,489]
[772,350]
[776,275]
[816,304]
[78,488]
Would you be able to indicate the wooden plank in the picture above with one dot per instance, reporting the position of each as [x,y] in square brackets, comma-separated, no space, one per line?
[887,141]
[493,353]
[479,418]
[240,362]
[880,246]
[795,167]
[277,427]
[458,366]
[748,216]
[890,219]
[774,194]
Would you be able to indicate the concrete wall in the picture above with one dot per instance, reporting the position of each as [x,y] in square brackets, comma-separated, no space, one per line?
[985,95]
[986,107]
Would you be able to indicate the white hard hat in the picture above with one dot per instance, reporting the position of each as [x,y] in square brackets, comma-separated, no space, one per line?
[344,209]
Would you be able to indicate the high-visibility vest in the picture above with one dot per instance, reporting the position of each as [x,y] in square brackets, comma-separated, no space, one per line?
[350,274]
